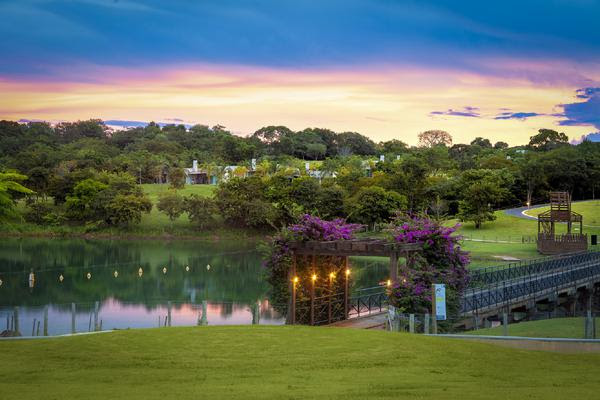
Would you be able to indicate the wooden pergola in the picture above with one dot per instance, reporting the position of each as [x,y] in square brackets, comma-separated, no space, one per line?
[356,247]
[345,249]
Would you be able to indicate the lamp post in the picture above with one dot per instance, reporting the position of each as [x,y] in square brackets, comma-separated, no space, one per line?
[294,282]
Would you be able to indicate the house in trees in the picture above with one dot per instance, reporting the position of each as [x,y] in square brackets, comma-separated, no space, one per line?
[213,175]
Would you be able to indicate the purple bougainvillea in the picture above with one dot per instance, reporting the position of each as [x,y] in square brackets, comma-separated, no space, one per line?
[441,261]
[278,254]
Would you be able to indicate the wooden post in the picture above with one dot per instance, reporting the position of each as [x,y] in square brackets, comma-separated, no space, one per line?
[394,267]
[411,323]
[347,273]
[291,317]
[505,324]
[433,311]
[16,319]
[46,320]
[312,300]
[96,307]
[329,299]
[90,323]
[73,318]
[204,320]
[33,328]
[37,331]
[426,322]
[169,313]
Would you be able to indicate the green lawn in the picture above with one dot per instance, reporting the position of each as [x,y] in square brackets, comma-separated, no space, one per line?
[158,222]
[556,327]
[589,209]
[286,362]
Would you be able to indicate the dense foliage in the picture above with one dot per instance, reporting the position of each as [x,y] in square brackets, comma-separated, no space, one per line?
[327,270]
[63,164]
[441,261]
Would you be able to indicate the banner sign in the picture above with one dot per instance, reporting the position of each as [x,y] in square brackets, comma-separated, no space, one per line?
[440,301]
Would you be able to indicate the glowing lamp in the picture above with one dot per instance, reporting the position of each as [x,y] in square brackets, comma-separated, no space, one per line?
[314,277]
[164,270]
[389,282]
[116,273]
[347,271]
[61,278]
[89,275]
[140,272]
[295,279]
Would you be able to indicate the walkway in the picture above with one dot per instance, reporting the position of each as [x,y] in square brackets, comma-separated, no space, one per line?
[371,321]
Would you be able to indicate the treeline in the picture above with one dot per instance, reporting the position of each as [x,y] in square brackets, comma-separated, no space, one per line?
[72,162]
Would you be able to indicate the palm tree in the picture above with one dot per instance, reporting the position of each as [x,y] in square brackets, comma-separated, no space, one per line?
[9,185]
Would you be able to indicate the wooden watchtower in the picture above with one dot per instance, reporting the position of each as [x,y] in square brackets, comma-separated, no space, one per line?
[549,242]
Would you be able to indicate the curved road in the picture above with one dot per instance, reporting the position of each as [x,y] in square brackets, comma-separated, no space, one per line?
[518,212]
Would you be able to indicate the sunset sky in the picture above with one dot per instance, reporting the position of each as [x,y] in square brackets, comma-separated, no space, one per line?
[387,69]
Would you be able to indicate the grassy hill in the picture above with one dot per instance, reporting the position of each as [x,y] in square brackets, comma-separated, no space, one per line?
[556,327]
[286,362]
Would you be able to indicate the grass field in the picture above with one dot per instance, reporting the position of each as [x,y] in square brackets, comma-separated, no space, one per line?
[556,327]
[157,222]
[589,209]
[286,362]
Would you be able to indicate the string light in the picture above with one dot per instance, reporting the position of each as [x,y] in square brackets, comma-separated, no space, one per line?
[389,282]
[332,276]
[347,271]
[140,272]
[295,279]
[314,277]
[164,270]
[89,275]
[207,267]
[61,278]
[187,268]
[116,273]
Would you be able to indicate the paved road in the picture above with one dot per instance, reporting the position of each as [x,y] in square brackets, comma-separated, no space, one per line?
[518,212]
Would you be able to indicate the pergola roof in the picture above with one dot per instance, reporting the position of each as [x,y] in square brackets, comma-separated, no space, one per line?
[354,247]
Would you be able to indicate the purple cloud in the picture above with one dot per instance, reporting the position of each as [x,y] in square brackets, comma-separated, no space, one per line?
[592,137]
[467,111]
[517,115]
[583,113]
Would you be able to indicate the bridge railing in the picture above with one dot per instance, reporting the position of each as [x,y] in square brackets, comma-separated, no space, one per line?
[504,293]
[490,276]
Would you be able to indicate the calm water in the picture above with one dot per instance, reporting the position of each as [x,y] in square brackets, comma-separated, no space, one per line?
[195,282]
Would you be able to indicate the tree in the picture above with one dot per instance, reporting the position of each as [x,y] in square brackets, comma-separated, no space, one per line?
[372,205]
[201,210]
[435,138]
[170,203]
[86,204]
[126,209]
[242,203]
[481,142]
[481,191]
[330,202]
[177,178]
[9,187]
[548,139]
[501,145]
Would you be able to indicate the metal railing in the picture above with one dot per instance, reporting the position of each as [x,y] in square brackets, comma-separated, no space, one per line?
[532,281]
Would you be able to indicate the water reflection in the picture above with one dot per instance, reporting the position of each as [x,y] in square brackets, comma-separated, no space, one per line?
[134,284]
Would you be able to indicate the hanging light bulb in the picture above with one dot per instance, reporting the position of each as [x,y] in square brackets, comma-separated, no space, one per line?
[89,275]
[164,270]
[61,278]
[116,273]
[140,272]
[207,267]
[187,268]
[314,277]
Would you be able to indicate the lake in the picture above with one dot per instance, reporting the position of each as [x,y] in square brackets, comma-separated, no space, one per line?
[79,285]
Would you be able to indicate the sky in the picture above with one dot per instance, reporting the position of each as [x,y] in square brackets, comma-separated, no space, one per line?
[386,69]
